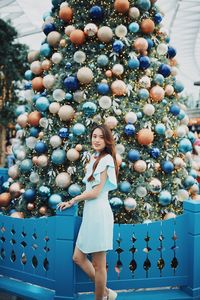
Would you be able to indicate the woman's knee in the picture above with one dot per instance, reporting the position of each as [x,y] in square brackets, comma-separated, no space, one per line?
[78,259]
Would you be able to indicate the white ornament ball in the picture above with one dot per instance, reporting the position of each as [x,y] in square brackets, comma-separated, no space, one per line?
[66,113]
[79,56]
[134,13]
[121,31]
[22,120]
[182,195]
[21,155]
[56,58]
[44,123]
[185,120]
[120,148]
[69,29]
[130,204]
[13,171]
[145,82]
[30,142]
[174,71]
[64,4]
[105,102]
[73,154]
[162,49]
[111,122]
[58,95]
[55,141]
[140,166]
[148,109]
[118,69]
[105,34]
[49,81]
[79,96]
[178,163]
[54,38]
[28,94]
[90,29]
[118,112]
[34,177]
[54,107]
[63,180]
[42,161]
[141,191]
[36,67]
[85,75]
[130,117]
[181,131]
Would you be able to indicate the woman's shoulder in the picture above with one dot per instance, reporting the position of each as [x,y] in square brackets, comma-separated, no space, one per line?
[107,158]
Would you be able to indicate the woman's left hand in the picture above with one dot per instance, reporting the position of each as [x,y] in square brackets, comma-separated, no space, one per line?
[64,205]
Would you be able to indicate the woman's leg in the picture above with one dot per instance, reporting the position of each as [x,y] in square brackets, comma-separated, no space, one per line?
[99,263]
[85,264]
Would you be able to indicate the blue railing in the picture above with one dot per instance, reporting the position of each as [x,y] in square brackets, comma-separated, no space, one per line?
[39,251]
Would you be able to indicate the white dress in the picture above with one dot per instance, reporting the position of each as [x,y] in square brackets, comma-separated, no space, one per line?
[96,231]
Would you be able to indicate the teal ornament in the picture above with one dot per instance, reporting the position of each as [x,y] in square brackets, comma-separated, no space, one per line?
[181,115]
[74,190]
[124,187]
[45,50]
[133,27]
[68,96]
[44,191]
[54,200]
[164,101]
[58,157]
[167,167]
[28,75]
[191,137]
[185,145]
[116,203]
[189,181]
[89,108]
[78,129]
[144,4]
[178,86]
[165,198]
[143,94]
[174,109]
[159,79]
[46,15]
[102,60]
[160,129]
[26,165]
[123,165]
[42,104]
[133,63]
[193,173]
[5,186]
[20,110]
[34,131]
[139,115]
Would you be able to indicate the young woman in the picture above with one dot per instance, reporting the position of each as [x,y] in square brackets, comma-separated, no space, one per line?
[96,231]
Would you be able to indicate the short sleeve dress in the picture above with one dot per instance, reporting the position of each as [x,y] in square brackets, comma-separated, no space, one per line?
[96,231]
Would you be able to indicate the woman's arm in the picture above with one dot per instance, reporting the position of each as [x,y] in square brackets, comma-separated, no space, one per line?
[86,195]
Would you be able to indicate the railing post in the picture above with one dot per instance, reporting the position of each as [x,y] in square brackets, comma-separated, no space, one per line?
[192,209]
[66,229]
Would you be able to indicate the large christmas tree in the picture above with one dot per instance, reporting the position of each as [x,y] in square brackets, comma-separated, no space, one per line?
[104,62]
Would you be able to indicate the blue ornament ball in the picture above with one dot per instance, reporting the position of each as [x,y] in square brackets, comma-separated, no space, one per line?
[174,109]
[165,198]
[178,86]
[150,43]
[58,157]
[164,101]
[158,18]
[34,131]
[193,173]
[41,147]
[26,165]
[165,70]
[5,186]
[28,75]
[139,115]
[185,145]
[45,50]
[96,13]
[167,166]
[29,195]
[181,115]
[68,96]
[63,133]
[133,155]
[118,46]
[44,191]
[89,108]
[129,129]
[48,27]
[143,94]
[144,62]
[133,63]
[189,181]
[71,83]
[74,190]
[144,4]
[103,88]
[20,110]
[54,200]
[133,27]
[116,203]
[102,60]
[155,152]
[171,52]
[42,104]
[124,187]
[191,136]
[159,79]
[78,129]
[160,129]
[68,66]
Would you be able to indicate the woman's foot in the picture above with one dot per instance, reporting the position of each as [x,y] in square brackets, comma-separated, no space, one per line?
[112,295]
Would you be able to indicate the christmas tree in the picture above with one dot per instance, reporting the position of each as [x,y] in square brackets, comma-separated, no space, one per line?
[105,62]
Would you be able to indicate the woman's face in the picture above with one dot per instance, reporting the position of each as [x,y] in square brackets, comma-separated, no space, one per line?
[98,143]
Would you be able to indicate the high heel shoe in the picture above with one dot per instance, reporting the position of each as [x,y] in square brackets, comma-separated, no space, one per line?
[112,295]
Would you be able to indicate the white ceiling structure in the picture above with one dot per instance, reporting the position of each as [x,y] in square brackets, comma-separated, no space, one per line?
[182,22]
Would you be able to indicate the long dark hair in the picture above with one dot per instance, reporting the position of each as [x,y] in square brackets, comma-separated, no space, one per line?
[109,148]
